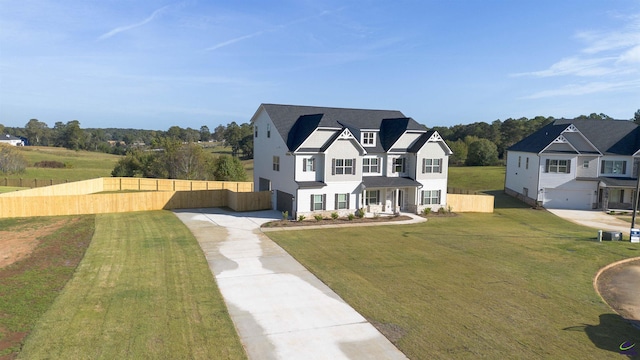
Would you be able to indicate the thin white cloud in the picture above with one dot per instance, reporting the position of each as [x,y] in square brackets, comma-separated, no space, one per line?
[233,41]
[576,66]
[610,57]
[584,89]
[270,29]
[132,26]
[619,53]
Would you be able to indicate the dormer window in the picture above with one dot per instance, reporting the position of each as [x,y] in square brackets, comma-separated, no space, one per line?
[368,138]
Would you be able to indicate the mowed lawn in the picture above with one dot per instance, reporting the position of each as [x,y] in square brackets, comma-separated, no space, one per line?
[513,284]
[142,291]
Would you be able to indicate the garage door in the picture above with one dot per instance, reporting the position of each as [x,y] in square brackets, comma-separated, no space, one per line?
[568,199]
[284,202]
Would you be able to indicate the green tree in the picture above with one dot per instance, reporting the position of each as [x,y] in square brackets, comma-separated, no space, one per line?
[246,140]
[636,117]
[191,135]
[228,168]
[190,162]
[232,136]
[205,134]
[482,152]
[460,150]
[74,137]
[218,133]
[175,132]
[36,131]
[11,160]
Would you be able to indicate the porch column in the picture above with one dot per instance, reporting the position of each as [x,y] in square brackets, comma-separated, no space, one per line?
[396,205]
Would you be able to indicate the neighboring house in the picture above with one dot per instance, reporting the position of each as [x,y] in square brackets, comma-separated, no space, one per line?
[576,164]
[11,140]
[325,160]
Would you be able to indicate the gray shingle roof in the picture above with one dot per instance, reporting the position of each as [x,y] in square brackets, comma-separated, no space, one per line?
[613,137]
[388,182]
[295,123]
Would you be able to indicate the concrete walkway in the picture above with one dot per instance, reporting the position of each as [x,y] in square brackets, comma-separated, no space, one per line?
[280,310]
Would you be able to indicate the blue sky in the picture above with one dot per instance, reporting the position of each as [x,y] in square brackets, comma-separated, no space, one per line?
[154,64]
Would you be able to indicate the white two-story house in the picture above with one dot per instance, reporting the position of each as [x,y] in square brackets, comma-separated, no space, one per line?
[325,160]
[576,164]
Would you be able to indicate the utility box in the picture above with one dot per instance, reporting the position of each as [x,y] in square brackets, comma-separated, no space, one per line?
[611,236]
[635,235]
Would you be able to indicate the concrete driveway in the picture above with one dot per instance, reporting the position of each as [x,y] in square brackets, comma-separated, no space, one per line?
[596,219]
[280,310]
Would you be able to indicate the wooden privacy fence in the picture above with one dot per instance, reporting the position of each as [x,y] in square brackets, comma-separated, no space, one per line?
[127,202]
[470,203]
[132,184]
[85,197]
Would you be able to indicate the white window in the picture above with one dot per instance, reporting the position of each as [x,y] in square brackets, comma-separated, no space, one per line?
[372,197]
[398,165]
[268,130]
[430,197]
[519,160]
[256,130]
[369,138]
[276,163]
[342,201]
[614,167]
[585,164]
[526,166]
[431,166]
[344,167]
[318,202]
[558,166]
[309,164]
[370,165]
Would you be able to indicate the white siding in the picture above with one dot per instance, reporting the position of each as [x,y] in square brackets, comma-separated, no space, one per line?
[591,171]
[302,175]
[519,178]
[264,150]
[432,150]
[304,199]
[343,149]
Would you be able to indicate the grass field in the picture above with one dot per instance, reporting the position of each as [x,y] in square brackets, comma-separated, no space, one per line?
[143,290]
[513,284]
[477,178]
[29,287]
[82,165]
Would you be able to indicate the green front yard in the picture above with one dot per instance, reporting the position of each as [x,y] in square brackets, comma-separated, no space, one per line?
[513,284]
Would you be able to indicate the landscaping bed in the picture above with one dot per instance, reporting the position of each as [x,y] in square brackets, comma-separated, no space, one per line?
[338,221]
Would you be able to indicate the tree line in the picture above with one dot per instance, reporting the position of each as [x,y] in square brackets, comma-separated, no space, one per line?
[118,141]
[480,143]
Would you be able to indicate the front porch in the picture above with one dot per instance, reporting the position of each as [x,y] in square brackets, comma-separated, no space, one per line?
[389,195]
[393,195]
[616,194]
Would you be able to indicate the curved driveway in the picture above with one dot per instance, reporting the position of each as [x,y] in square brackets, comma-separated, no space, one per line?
[280,309]
[595,219]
